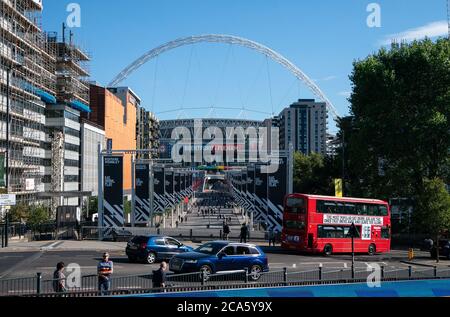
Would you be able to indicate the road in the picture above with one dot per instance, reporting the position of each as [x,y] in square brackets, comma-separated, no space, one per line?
[28,263]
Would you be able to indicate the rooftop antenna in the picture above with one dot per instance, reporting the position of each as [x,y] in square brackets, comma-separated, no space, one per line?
[64,33]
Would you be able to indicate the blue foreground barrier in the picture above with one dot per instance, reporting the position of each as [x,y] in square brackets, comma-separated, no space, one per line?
[420,288]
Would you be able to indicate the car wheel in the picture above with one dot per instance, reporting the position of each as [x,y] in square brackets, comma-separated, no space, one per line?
[327,250]
[372,249]
[255,272]
[151,258]
[206,271]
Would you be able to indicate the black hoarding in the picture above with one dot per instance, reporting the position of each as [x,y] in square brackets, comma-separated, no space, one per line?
[142,191]
[277,183]
[113,191]
[260,194]
[159,199]
[168,187]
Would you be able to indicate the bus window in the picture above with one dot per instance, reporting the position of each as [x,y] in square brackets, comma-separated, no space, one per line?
[330,232]
[295,205]
[291,224]
[329,207]
[350,209]
[361,209]
[383,211]
[372,210]
[339,208]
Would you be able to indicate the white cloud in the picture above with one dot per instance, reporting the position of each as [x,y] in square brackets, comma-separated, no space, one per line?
[433,29]
[345,93]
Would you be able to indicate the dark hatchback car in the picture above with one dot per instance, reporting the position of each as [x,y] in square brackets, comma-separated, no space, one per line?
[444,249]
[151,249]
[220,256]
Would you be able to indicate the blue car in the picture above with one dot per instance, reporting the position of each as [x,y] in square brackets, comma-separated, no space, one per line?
[220,256]
[151,249]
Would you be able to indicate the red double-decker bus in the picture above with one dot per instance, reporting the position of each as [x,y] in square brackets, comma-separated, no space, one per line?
[320,224]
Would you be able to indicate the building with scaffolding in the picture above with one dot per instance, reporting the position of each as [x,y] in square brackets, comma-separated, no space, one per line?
[63,127]
[29,62]
[147,132]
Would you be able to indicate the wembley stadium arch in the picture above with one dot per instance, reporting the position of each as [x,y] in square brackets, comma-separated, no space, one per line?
[228,39]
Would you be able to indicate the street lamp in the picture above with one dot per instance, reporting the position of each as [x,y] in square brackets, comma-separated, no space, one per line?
[8,74]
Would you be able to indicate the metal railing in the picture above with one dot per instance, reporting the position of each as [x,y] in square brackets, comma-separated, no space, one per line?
[136,284]
[92,233]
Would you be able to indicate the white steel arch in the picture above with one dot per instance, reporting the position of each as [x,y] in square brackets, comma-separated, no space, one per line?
[229,39]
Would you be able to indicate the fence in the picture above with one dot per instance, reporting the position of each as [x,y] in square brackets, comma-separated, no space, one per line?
[92,233]
[87,286]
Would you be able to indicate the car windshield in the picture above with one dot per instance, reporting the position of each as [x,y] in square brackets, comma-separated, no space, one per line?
[210,248]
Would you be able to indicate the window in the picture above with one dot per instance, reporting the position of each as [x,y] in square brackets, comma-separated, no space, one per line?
[229,250]
[242,250]
[160,242]
[172,242]
[330,232]
[385,233]
[295,205]
[350,209]
[290,224]
[334,232]
[383,211]
[329,207]
[254,251]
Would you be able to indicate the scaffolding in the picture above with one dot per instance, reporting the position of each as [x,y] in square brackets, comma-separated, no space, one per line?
[29,59]
[57,169]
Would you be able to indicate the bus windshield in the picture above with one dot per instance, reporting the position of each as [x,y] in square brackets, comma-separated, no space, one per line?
[295,205]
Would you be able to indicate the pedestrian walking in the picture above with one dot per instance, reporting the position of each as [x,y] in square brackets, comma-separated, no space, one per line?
[176,223]
[226,231]
[104,271]
[271,237]
[244,233]
[159,276]
[59,279]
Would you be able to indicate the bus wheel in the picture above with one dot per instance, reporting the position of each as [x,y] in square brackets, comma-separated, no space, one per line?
[327,250]
[372,249]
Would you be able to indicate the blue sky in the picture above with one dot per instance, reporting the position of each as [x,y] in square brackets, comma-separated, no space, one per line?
[321,37]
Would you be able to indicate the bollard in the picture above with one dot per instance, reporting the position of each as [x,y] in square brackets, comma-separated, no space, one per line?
[246,275]
[220,234]
[382,272]
[409,271]
[435,271]
[410,254]
[38,283]
[353,271]
[285,276]
[190,234]
[320,273]
[203,278]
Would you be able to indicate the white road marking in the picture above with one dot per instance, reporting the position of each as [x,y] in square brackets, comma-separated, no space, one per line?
[345,265]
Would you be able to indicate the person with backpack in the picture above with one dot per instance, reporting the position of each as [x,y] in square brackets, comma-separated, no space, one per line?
[59,279]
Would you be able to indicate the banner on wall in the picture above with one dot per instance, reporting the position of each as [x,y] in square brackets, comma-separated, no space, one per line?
[142,193]
[113,213]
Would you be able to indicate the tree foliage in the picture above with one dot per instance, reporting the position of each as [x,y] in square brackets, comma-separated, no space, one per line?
[314,174]
[432,214]
[398,134]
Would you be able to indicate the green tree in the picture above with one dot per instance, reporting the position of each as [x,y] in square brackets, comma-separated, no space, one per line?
[432,214]
[38,216]
[314,174]
[19,213]
[399,130]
